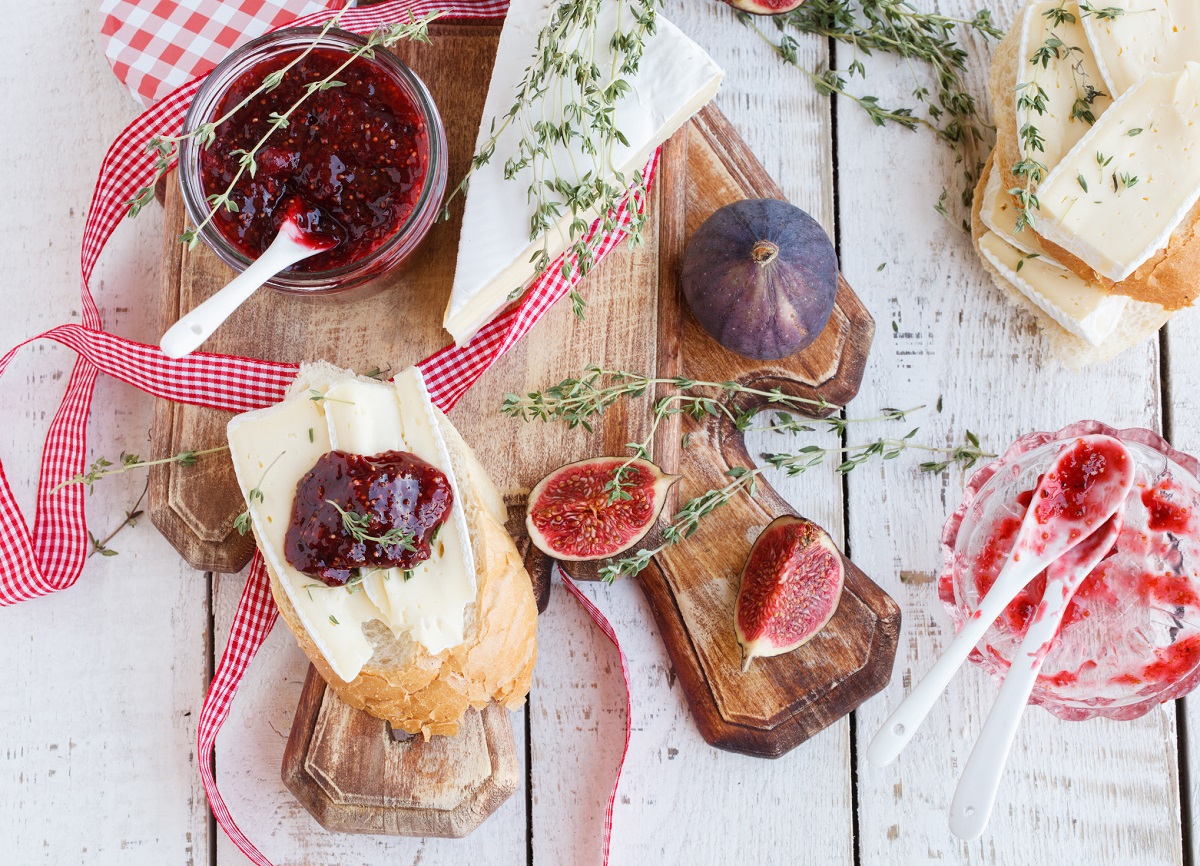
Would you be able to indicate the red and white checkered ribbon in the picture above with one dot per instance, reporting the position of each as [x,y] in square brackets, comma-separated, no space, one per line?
[51,556]
[154,46]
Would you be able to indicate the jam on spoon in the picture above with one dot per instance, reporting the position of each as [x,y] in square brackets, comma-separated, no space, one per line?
[356,512]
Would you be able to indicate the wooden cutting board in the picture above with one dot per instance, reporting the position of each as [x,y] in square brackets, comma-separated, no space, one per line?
[635,321]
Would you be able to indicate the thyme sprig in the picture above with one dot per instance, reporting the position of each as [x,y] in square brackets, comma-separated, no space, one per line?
[359,526]
[242,522]
[896,27]
[166,147]
[1029,171]
[100,545]
[566,99]
[578,401]
[102,467]
[686,520]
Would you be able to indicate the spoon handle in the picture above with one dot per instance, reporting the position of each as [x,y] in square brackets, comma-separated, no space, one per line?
[976,792]
[193,328]
[902,724]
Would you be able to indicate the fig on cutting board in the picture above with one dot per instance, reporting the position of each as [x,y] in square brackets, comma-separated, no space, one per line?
[791,586]
[765,7]
[571,517]
[760,276]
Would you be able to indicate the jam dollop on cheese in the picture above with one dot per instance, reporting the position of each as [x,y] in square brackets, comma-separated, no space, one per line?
[354,155]
[394,492]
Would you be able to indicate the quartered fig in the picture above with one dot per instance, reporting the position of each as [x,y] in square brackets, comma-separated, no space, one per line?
[791,585]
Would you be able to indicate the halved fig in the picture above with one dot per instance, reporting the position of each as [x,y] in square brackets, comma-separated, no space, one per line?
[791,586]
[765,7]
[571,517]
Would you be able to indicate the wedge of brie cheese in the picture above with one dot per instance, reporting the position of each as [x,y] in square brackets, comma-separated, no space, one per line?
[675,78]
[1082,309]
[1063,73]
[1142,36]
[1115,199]
[274,448]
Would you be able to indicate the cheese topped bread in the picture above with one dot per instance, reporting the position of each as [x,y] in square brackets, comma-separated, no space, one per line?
[1100,129]
[419,646]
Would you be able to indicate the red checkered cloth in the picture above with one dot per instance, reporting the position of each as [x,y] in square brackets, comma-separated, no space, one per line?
[50,557]
[154,46]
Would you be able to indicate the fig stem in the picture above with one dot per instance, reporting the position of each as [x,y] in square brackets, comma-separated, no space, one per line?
[746,659]
[764,252]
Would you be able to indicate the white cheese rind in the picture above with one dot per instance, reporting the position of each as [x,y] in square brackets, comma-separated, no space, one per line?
[1147,36]
[1116,230]
[1064,79]
[998,212]
[1084,310]
[675,79]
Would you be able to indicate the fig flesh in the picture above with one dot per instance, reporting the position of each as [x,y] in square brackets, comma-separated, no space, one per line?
[761,276]
[765,7]
[791,586]
[570,516]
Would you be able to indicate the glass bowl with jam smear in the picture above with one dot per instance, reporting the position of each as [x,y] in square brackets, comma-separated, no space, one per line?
[1130,637]
[365,161]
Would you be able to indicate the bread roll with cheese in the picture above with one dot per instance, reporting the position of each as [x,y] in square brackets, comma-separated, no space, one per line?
[1104,187]
[416,648]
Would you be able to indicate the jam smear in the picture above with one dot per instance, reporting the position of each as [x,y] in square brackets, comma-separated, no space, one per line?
[393,490]
[1164,514]
[355,157]
[1065,491]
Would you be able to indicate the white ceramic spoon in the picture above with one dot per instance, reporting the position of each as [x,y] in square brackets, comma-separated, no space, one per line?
[1047,532]
[976,792]
[291,245]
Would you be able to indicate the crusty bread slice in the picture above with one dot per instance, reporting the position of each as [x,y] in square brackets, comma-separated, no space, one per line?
[402,682]
[1169,279]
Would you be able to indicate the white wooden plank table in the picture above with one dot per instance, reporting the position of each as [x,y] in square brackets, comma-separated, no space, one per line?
[101,685]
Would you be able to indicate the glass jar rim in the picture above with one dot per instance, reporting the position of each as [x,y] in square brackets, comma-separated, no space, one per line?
[205,102]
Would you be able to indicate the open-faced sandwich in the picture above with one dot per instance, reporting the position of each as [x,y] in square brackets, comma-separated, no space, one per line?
[1088,211]
[385,543]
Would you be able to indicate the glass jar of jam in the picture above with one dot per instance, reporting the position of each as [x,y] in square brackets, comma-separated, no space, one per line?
[364,160]
[1130,637]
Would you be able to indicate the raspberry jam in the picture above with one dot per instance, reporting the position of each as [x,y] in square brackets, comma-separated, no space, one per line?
[392,490]
[354,157]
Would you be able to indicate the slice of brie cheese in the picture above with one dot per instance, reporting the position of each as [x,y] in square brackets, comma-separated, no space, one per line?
[675,78]
[998,212]
[1084,310]
[1144,36]
[1064,78]
[1140,165]
[275,447]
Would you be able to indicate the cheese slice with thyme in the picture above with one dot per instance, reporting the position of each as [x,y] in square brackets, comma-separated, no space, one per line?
[998,212]
[674,79]
[1132,38]
[1059,89]
[1116,198]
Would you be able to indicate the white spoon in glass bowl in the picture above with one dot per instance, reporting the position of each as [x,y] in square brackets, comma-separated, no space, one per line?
[1085,485]
[976,792]
[292,244]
